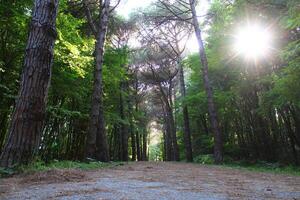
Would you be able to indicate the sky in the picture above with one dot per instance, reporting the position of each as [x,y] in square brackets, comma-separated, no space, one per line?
[127,6]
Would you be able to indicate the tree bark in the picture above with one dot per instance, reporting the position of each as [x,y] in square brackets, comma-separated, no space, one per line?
[132,131]
[138,146]
[124,127]
[3,127]
[218,142]
[170,122]
[144,152]
[133,146]
[167,135]
[186,120]
[96,145]
[28,117]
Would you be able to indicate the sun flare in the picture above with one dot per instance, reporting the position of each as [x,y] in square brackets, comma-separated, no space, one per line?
[252,41]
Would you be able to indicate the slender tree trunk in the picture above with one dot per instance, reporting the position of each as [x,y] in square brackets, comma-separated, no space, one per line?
[96,145]
[290,133]
[138,146]
[218,142]
[137,134]
[144,153]
[186,120]
[164,144]
[124,127]
[173,134]
[167,138]
[132,133]
[29,114]
[133,146]
[170,122]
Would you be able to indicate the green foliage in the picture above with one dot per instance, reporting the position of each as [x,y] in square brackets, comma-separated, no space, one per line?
[204,159]
[38,166]
[155,152]
[248,93]
[264,167]
[259,166]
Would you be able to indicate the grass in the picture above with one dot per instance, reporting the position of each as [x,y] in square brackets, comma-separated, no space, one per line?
[265,167]
[259,166]
[42,166]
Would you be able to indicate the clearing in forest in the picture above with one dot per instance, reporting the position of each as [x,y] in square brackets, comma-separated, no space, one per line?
[152,180]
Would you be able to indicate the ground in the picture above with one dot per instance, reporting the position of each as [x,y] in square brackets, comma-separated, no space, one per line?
[151,180]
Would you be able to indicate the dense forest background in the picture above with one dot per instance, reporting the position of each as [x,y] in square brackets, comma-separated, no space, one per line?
[150,81]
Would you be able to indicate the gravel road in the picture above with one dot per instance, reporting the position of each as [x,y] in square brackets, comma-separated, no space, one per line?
[151,180]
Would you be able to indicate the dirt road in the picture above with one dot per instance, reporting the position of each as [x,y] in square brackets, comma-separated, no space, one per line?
[146,180]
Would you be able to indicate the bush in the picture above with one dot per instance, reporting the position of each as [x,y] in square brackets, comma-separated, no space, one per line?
[204,159]
[55,164]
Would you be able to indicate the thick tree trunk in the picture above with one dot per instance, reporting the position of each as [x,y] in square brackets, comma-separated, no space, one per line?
[96,145]
[3,127]
[29,114]
[186,120]
[218,142]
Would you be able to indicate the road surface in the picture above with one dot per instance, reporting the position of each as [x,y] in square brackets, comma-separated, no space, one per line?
[151,180]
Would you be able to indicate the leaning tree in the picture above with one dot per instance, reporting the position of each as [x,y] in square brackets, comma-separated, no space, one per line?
[29,114]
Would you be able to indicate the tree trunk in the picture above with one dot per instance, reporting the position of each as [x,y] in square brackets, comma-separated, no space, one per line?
[3,127]
[133,146]
[170,121]
[144,153]
[131,129]
[29,114]
[124,127]
[186,120]
[218,142]
[167,138]
[138,146]
[137,135]
[173,134]
[96,145]
[164,144]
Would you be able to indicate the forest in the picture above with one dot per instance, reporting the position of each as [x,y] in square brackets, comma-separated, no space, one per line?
[181,80]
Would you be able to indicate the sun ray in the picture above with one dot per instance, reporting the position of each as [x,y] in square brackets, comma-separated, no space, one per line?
[253,41]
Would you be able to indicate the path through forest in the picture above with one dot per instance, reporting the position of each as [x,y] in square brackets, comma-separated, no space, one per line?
[150,180]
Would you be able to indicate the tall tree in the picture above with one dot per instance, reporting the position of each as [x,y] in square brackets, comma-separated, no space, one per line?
[218,147]
[175,35]
[159,71]
[96,144]
[184,10]
[29,113]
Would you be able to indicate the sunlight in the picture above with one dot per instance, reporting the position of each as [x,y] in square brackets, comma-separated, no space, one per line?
[253,41]
[126,7]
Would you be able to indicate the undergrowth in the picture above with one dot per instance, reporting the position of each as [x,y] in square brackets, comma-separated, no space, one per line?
[258,166]
[38,166]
